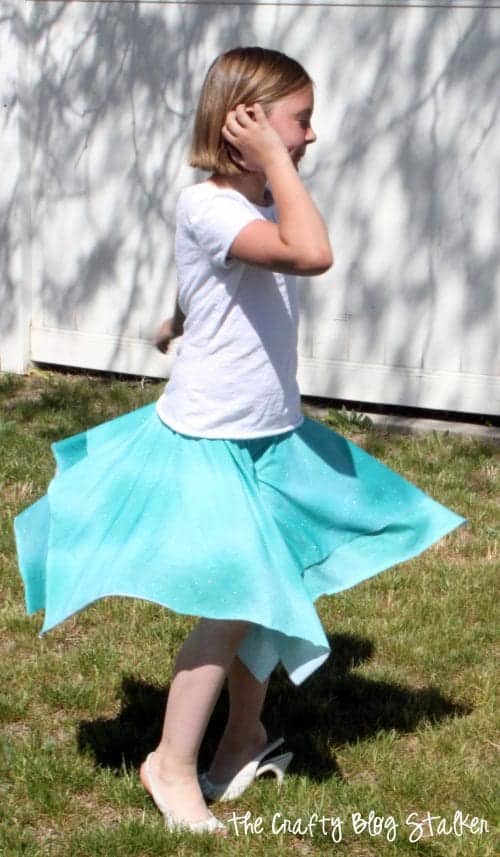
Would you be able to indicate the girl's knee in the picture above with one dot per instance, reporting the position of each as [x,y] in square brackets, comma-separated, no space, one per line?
[231,630]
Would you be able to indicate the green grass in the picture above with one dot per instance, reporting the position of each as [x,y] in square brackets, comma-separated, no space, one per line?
[401,719]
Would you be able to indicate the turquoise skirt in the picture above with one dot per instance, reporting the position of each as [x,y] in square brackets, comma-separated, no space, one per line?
[253,529]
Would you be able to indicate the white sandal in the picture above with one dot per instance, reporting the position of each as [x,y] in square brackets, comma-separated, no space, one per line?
[208,825]
[232,789]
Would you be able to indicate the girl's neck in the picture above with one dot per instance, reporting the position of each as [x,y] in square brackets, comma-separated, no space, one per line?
[251,185]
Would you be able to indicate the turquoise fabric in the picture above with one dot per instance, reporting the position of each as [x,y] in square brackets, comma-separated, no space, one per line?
[229,529]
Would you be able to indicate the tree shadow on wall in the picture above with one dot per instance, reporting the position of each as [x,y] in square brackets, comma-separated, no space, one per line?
[107,112]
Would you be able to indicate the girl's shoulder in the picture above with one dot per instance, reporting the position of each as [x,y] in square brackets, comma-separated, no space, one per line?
[207,192]
[209,203]
[197,198]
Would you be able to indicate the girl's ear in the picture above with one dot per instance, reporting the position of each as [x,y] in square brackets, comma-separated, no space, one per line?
[236,157]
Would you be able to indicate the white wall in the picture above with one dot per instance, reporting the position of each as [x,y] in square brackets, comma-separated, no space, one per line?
[15,275]
[405,169]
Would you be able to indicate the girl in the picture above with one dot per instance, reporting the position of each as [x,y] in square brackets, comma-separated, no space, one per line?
[223,501]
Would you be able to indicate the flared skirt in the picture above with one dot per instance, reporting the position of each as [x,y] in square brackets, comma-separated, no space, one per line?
[254,530]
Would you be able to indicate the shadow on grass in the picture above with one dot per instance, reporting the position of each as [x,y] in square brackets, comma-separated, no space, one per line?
[335,705]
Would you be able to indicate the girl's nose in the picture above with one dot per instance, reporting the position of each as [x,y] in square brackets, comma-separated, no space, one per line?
[310,136]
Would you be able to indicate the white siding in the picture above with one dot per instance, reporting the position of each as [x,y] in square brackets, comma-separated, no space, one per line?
[405,169]
[15,273]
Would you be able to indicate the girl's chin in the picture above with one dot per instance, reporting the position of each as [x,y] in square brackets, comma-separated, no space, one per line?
[297,157]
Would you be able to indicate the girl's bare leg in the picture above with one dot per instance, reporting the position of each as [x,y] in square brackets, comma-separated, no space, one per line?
[244,735]
[201,667]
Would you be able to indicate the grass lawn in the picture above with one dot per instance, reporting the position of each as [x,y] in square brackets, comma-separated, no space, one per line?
[398,724]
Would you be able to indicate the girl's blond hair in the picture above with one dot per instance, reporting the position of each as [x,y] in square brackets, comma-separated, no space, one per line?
[239,76]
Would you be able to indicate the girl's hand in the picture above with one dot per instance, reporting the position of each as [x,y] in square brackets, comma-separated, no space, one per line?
[164,335]
[170,329]
[253,142]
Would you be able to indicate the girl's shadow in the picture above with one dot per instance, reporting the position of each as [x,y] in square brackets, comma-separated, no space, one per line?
[334,706]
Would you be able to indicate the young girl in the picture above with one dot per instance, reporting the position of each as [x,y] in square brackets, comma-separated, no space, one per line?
[223,501]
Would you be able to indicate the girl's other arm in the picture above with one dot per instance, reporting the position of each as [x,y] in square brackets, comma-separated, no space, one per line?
[170,329]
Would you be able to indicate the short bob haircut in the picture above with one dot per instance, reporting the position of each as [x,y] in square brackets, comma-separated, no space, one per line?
[239,76]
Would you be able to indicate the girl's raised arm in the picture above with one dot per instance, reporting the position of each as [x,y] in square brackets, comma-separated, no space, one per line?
[298,243]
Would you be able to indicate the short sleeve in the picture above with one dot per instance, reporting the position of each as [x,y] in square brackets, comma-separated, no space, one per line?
[216,219]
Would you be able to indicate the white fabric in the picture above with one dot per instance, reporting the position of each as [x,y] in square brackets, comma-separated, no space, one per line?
[235,373]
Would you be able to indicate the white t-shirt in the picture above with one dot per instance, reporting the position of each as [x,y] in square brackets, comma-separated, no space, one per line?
[235,373]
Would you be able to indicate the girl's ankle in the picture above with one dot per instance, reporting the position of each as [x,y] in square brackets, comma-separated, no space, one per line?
[170,767]
[241,739]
